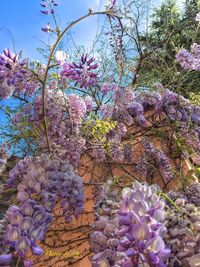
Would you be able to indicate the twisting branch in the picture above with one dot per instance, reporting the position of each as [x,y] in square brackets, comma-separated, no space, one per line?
[60,36]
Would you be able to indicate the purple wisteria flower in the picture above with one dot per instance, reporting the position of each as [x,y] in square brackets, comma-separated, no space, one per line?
[131,234]
[105,88]
[5,259]
[153,100]
[82,73]
[64,114]
[116,150]
[19,233]
[15,77]
[184,58]
[51,180]
[98,153]
[42,184]
[190,60]
[89,103]
[136,110]
[77,108]
[117,110]
[156,157]
[48,6]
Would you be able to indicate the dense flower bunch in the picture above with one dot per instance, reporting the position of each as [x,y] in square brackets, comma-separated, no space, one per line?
[155,157]
[19,170]
[153,100]
[117,110]
[185,117]
[180,112]
[108,87]
[116,151]
[81,73]
[28,223]
[193,192]
[64,115]
[116,37]
[183,226]
[98,153]
[118,114]
[132,111]
[48,180]
[128,153]
[15,77]
[190,60]
[77,108]
[131,234]
[44,183]
[136,110]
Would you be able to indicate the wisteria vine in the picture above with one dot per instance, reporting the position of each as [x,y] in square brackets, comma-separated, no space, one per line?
[70,113]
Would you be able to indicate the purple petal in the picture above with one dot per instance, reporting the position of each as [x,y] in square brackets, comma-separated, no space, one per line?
[46,12]
[157,245]
[23,245]
[13,233]
[28,263]
[22,196]
[5,259]
[36,233]
[153,258]
[26,223]
[36,250]
[141,232]
[39,216]
[26,209]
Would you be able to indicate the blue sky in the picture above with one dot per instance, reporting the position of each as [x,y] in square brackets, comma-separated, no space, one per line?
[21,20]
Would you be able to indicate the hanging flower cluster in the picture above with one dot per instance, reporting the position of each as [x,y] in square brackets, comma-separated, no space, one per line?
[48,180]
[15,77]
[131,234]
[116,37]
[42,182]
[81,73]
[48,6]
[184,228]
[27,223]
[156,158]
[190,60]
[64,115]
